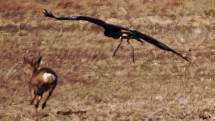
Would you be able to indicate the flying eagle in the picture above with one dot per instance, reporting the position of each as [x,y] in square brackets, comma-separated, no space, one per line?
[118,32]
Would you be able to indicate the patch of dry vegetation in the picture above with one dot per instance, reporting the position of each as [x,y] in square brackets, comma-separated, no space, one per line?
[93,85]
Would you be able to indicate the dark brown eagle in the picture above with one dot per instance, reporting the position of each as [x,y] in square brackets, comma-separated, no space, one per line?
[118,32]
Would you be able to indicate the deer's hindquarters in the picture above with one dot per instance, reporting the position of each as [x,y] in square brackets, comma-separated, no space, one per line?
[43,82]
[48,77]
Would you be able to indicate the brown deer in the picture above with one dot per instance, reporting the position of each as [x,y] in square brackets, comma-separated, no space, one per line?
[42,80]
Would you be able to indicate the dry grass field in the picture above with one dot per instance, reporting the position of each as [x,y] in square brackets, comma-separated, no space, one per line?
[94,86]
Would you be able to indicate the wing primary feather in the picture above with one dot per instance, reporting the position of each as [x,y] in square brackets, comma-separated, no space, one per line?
[51,15]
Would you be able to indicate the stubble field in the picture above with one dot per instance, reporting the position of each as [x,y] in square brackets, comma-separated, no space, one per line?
[93,85]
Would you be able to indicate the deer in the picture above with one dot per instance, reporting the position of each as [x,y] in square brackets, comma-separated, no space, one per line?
[42,80]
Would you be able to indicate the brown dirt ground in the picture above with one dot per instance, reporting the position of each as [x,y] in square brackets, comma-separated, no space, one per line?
[94,86]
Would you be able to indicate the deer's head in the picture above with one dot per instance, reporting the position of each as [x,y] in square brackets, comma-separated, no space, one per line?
[34,63]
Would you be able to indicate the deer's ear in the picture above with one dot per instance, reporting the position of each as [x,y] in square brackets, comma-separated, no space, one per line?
[26,61]
[39,60]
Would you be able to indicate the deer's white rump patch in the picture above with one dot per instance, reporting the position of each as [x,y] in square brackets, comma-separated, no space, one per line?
[47,77]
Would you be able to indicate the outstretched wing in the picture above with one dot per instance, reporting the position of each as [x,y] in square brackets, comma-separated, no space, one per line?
[149,39]
[84,18]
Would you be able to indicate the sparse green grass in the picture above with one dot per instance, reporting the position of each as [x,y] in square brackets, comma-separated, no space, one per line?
[158,85]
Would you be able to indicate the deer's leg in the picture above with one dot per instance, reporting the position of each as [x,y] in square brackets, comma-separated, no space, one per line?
[49,95]
[39,94]
[33,95]
[38,98]
[115,51]
[131,48]
[38,101]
